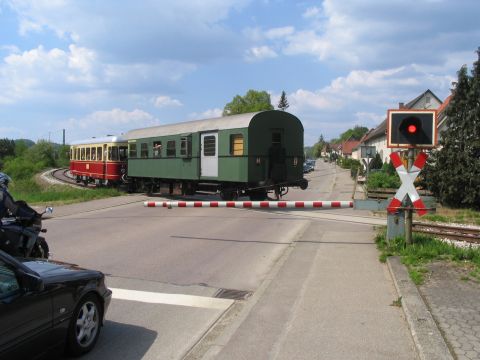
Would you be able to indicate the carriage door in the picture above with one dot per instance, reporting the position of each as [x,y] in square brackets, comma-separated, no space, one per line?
[104,159]
[209,155]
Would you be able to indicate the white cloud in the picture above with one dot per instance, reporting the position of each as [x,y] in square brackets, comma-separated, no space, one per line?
[279,33]
[42,73]
[312,12]
[207,114]
[260,53]
[106,28]
[115,122]
[165,101]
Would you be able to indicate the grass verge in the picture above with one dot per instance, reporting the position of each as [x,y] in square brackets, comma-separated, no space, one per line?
[424,250]
[461,216]
[35,194]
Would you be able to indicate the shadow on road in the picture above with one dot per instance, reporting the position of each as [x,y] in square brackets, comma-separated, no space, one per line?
[121,341]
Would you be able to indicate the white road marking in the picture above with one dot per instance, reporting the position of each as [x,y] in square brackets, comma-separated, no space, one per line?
[172,299]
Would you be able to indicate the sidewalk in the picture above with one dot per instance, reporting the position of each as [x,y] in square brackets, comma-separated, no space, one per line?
[328,298]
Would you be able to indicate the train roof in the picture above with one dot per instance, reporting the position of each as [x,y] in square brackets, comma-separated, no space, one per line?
[101,140]
[221,123]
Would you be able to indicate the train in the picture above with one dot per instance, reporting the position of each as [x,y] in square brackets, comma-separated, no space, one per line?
[249,154]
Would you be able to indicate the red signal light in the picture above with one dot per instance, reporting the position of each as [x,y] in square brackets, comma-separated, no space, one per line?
[412,129]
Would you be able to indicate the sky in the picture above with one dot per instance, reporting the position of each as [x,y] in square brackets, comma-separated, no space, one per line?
[96,68]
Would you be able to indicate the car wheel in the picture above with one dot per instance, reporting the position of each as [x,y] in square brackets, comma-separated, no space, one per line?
[84,327]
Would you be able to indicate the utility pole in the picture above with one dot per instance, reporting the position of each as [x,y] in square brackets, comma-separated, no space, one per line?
[409,210]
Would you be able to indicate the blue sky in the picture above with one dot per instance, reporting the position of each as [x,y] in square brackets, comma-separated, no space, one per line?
[105,67]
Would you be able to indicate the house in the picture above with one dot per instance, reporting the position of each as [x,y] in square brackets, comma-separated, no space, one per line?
[347,148]
[442,117]
[378,136]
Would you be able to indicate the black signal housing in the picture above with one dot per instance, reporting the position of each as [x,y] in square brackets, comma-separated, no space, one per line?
[411,129]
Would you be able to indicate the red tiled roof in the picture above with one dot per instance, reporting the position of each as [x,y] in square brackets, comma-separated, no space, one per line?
[349,145]
[444,104]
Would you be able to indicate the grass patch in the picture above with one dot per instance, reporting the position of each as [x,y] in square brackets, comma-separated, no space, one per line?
[464,216]
[425,249]
[33,193]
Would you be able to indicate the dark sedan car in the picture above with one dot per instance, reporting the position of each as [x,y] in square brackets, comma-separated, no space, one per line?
[47,305]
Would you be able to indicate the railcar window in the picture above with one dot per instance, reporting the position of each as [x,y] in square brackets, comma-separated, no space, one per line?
[236,144]
[99,153]
[276,138]
[71,154]
[133,150]
[113,153]
[94,154]
[157,149]
[171,148]
[77,154]
[144,150]
[209,146]
[122,153]
[87,154]
[82,156]
[186,146]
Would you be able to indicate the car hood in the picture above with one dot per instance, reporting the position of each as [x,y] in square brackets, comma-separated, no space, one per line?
[49,269]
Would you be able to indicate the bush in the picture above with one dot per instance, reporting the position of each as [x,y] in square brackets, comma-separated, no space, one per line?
[382,180]
[21,168]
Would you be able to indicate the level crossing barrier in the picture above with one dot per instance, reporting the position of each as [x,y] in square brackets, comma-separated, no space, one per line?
[252,204]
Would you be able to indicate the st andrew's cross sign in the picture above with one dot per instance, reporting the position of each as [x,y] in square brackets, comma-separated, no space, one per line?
[408,188]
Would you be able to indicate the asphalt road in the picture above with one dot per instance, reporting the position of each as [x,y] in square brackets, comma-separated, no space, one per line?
[165,266]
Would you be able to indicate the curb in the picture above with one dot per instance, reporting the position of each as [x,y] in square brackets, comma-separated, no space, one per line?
[428,340]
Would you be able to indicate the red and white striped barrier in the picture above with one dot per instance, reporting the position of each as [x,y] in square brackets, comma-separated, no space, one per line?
[408,188]
[252,204]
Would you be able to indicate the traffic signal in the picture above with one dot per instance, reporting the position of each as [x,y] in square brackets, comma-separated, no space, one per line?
[411,129]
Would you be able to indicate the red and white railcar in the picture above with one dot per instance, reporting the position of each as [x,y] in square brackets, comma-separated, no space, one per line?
[102,161]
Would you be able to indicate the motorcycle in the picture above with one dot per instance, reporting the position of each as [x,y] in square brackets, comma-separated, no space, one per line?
[20,234]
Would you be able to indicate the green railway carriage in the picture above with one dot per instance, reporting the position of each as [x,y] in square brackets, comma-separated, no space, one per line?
[248,154]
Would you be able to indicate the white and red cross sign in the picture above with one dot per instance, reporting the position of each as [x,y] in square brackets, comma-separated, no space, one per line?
[407,187]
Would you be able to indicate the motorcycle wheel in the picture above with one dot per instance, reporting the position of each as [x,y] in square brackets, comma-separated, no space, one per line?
[41,249]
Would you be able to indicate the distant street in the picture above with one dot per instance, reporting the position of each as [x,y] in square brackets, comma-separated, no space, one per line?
[165,267]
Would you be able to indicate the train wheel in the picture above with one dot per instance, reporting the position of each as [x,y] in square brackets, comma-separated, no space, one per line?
[229,195]
[258,195]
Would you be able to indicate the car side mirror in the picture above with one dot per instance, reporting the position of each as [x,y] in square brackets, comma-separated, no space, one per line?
[32,282]
[48,210]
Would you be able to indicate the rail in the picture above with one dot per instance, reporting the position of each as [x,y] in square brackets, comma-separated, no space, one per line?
[468,234]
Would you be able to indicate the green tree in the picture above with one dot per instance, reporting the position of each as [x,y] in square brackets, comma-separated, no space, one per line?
[252,101]
[453,173]
[319,145]
[376,162]
[355,134]
[43,153]
[7,148]
[283,102]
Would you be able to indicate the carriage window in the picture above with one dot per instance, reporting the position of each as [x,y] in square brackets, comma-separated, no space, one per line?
[236,145]
[133,150]
[144,150]
[87,154]
[122,152]
[113,153]
[77,154]
[82,156]
[276,138]
[94,153]
[186,146]
[157,149]
[71,154]
[171,149]
[209,146]
[99,153]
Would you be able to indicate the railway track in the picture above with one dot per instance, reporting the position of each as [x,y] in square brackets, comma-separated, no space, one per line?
[467,234]
[62,176]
